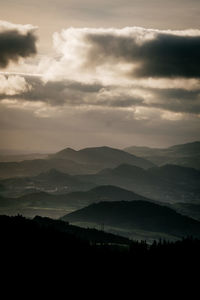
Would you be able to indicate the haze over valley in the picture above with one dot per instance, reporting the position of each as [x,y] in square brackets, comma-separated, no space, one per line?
[70,180]
[99,141]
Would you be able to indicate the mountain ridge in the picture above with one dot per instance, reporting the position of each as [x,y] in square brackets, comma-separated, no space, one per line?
[187,154]
[141,215]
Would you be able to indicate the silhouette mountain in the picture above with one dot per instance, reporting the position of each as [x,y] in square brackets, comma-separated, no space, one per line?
[137,215]
[187,155]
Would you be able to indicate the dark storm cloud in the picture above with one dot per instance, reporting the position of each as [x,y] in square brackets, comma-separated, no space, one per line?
[120,101]
[177,100]
[78,94]
[166,55]
[58,93]
[55,93]
[14,44]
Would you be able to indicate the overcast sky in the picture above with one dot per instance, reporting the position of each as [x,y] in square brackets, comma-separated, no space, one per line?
[79,73]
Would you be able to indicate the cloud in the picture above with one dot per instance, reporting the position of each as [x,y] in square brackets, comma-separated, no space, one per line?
[54,93]
[98,69]
[77,94]
[175,100]
[163,55]
[13,85]
[16,41]
[121,55]
[70,93]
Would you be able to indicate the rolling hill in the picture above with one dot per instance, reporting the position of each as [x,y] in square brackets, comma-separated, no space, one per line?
[166,184]
[188,209]
[57,205]
[187,155]
[136,215]
[52,181]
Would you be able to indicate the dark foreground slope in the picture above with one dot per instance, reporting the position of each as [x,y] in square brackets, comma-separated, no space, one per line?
[43,244]
[39,257]
[137,215]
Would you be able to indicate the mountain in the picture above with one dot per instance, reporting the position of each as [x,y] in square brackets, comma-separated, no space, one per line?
[166,184]
[101,193]
[51,205]
[136,215]
[52,181]
[180,175]
[37,166]
[21,157]
[101,157]
[85,161]
[187,155]
[60,182]
[188,209]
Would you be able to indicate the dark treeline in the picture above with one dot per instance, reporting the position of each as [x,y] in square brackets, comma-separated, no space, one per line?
[34,251]
[50,240]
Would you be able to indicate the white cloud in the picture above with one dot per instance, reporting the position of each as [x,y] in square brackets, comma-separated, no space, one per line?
[4,26]
[75,48]
[13,85]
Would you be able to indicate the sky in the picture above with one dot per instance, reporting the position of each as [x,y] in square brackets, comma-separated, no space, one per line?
[83,73]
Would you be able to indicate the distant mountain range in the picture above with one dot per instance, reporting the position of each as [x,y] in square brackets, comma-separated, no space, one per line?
[101,157]
[166,184]
[92,160]
[51,181]
[136,216]
[21,157]
[187,155]
[103,186]
[89,160]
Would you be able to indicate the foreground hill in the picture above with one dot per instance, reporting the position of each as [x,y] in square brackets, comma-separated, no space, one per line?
[49,247]
[46,230]
[89,160]
[136,215]
[167,184]
[187,155]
